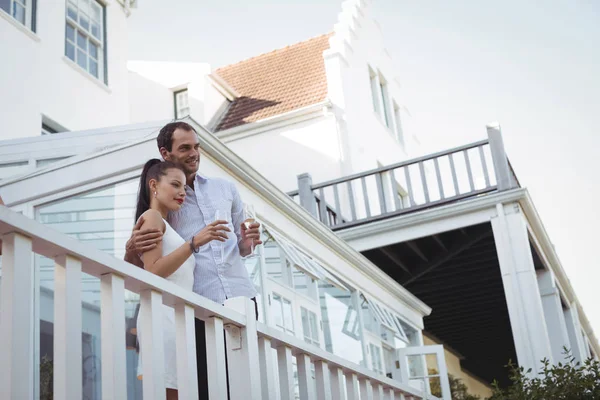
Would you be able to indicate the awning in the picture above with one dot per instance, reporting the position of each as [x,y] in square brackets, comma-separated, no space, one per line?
[386,317]
[302,261]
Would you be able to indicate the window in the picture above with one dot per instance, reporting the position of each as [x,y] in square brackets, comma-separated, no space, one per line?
[375,91]
[21,10]
[282,312]
[385,100]
[85,40]
[309,326]
[376,358]
[47,130]
[398,124]
[182,105]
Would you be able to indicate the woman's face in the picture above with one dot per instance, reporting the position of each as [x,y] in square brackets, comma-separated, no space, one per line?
[170,189]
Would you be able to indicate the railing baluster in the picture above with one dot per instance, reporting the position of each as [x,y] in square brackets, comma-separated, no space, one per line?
[152,344]
[453,170]
[390,395]
[366,389]
[112,326]
[337,384]
[395,191]
[67,328]
[352,387]
[323,380]
[215,358]
[242,352]
[379,395]
[286,372]
[365,196]
[424,182]
[486,175]
[267,369]
[469,172]
[16,317]
[338,209]
[323,208]
[185,347]
[305,384]
[351,199]
[381,193]
[438,175]
[411,199]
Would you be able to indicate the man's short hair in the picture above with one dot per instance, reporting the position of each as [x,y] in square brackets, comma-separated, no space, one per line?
[165,136]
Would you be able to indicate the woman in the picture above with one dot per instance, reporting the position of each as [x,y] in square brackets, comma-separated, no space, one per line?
[162,189]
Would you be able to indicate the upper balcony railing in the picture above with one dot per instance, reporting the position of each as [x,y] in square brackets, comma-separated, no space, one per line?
[250,344]
[436,179]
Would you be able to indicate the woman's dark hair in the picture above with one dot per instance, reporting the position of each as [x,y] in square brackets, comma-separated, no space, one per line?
[153,169]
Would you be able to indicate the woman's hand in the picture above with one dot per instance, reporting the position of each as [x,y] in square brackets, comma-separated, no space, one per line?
[213,231]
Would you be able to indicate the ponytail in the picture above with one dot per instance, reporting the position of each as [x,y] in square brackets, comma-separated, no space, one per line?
[153,169]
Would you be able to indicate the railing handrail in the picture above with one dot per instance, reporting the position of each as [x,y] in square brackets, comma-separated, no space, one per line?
[397,165]
[51,243]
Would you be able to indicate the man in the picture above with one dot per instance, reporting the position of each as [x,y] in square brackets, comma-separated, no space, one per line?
[217,276]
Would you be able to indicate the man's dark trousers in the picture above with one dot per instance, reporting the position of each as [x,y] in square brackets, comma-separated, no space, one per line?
[201,357]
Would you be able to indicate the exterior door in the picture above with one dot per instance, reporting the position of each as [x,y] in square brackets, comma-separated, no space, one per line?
[412,368]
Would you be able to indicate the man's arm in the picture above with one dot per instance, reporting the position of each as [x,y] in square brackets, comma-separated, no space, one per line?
[140,242]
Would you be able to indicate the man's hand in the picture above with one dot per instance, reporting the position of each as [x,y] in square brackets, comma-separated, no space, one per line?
[250,236]
[141,241]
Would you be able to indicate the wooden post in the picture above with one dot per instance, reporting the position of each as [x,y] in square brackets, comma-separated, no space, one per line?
[501,168]
[286,372]
[112,330]
[152,345]
[185,347]
[267,368]
[67,328]
[307,197]
[553,312]
[215,358]
[242,353]
[530,333]
[16,318]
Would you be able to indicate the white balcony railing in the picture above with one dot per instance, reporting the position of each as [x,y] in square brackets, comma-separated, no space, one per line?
[252,367]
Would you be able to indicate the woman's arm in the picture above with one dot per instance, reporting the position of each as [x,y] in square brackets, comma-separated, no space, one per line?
[153,259]
[165,266]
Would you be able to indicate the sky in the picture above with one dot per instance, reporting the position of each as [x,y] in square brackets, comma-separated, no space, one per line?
[533,65]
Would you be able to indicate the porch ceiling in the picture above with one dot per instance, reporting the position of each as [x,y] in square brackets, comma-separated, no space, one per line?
[458,275]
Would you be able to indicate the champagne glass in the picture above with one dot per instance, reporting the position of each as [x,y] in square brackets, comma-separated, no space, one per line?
[221,216]
[250,219]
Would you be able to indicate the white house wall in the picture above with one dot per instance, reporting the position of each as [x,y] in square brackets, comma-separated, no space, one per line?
[283,153]
[40,80]
[149,100]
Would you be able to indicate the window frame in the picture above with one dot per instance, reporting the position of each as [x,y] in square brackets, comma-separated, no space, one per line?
[98,41]
[29,13]
[177,109]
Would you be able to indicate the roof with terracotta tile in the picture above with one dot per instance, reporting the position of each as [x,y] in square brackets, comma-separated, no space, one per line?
[277,82]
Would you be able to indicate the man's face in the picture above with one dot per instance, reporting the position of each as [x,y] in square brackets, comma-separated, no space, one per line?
[185,151]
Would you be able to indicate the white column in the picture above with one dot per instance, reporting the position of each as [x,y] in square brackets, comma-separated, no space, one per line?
[242,352]
[574,332]
[187,371]
[523,300]
[16,318]
[67,328]
[553,312]
[112,326]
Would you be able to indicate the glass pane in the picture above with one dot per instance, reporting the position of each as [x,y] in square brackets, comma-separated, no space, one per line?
[84,6]
[82,59]
[96,13]
[81,41]
[313,326]
[96,30]
[70,50]
[277,310]
[70,33]
[5,5]
[19,12]
[70,216]
[72,11]
[305,324]
[287,315]
[94,68]
[84,21]
[93,50]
